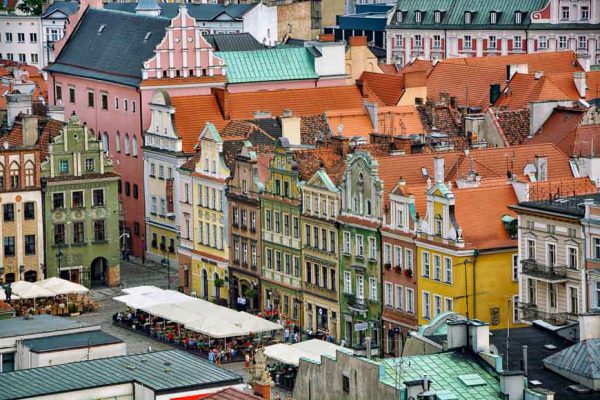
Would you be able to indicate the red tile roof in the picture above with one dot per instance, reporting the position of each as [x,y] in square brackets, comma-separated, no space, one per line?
[513,125]
[561,188]
[231,394]
[561,129]
[526,88]
[191,115]
[388,88]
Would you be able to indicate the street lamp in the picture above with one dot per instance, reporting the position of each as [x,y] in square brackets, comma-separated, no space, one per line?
[166,262]
[21,271]
[59,258]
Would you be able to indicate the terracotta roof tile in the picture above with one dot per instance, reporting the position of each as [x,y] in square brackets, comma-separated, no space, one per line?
[191,115]
[561,188]
[301,102]
[231,394]
[565,82]
[390,69]
[587,141]
[310,160]
[418,66]
[560,128]
[190,164]
[513,125]
[388,88]
[523,89]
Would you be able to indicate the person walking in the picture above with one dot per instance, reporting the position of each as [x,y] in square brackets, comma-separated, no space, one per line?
[286,335]
[211,356]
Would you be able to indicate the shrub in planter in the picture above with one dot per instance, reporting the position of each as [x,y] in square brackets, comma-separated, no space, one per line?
[219,283]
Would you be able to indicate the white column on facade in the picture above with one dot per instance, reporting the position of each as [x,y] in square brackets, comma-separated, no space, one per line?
[388,49]
[479,46]
[504,46]
[426,46]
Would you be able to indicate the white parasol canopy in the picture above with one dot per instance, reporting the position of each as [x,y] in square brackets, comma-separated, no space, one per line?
[28,290]
[311,349]
[62,286]
[3,296]
[141,290]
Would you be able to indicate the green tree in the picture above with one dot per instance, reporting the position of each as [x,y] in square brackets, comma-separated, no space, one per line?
[31,7]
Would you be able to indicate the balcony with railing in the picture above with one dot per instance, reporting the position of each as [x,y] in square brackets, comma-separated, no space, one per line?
[531,312]
[355,303]
[553,274]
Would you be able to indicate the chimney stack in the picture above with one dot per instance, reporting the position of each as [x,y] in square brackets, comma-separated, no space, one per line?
[341,144]
[541,168]
[579,79]
[373,111]
[30,130]
[438,169]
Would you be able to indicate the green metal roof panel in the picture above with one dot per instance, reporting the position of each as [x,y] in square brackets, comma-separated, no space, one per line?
[159,371]
[276,64]
[454,12]
[70,341]
[37,324]
[444,370]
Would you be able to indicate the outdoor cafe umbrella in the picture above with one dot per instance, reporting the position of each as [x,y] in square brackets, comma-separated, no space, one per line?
[28,290]
[61,286]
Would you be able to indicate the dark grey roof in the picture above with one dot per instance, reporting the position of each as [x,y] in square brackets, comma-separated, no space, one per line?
[200,12]
[70,341]
[569,206]
[295,42]
[37,324]
[378,51]
[164,371]
[272,126]
[234,42]
[66,7]
[535,338]
[581,359]
[110,46]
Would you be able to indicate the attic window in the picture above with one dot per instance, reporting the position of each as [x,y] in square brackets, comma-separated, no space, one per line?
[101,29]
[518,17]
[418,17]
[399,17]
[147,37]
[468,17]
[437,16]
[493,17]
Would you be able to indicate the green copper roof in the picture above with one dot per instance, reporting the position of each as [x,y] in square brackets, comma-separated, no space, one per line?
[453,13]
[277,64]
[452,374]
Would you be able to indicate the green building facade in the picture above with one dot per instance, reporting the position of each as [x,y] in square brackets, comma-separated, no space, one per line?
[81,207]
[360,252]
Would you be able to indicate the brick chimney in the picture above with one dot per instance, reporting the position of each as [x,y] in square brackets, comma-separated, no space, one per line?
[327,37]
[402,143]
[357,41]
[222,100]
[340,144]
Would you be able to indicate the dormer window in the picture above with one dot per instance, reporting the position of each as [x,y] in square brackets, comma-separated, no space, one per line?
[493,17]
[468,17]
[399,17]
[438,225]
[437,17]
[419,17]
[518,18]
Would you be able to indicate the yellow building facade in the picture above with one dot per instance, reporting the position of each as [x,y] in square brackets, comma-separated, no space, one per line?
[210,252]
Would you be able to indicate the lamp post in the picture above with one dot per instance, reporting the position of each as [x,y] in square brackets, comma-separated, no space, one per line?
[59,259]
[166,262]
[21,271]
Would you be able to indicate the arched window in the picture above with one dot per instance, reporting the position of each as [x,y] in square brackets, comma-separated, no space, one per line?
[355,204]
[14,175]
[29,174]
[105,142]
[127,144]
[217,294]
[368,207]
[118,142]
[134,146]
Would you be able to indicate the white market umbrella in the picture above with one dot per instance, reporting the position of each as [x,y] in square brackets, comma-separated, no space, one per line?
[28,290]
[141,290]
[61,286]
[3,296]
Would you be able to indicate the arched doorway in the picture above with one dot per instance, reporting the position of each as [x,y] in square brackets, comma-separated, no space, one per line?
[217,289]
[99,273]
[204,285]
[9,278]
[391,342]
[30,276]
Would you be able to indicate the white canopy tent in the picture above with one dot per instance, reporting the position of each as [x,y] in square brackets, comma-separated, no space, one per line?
[28,290]
[311,349]
[61,286]
[12,296]
[141,290]
[196,314]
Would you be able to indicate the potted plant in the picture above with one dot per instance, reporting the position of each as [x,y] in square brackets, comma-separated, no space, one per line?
[219,283]
[398,268]
[73,310]
[408,272]
[388,265]
[250,293]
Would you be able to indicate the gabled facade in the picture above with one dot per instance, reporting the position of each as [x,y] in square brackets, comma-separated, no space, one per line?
[398,259]
[245,258]
[320,254]
[360,252]
[81,209]
[281,242]
[458,28]
[210,254]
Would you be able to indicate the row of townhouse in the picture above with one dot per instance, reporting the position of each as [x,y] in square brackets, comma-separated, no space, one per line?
[459,28]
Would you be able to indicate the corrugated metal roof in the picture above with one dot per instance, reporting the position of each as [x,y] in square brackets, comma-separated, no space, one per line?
[277,64]
[581,359]
[110,46]
[160,371]
[233,42]
[37,324]
[70,341]
[201,12]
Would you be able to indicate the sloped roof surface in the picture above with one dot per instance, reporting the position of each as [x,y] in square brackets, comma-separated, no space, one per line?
[231,394]
[38,324]
[275,64]
[581,359]
[201,12]
[388,88]
[161,370]
[66,7]
[234,42]
[115,53]
[525,88]
[560,128]
[70,341]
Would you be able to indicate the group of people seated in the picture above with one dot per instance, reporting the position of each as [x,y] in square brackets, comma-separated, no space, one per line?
[58,305]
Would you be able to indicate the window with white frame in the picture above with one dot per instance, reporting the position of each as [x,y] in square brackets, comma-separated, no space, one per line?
[437,41]
[515,267]
[493,17]
[373,289]
[531,290]
[515,309]
[347,282]
[562,42]
[542,42]
[360,287]
[551,254]
[437,17]
[398,256]
[573,300]
[426,305]
[360,251]
[596,248]
[372,248]
[597,292]
[467,42]
[425,264]
[582,43]
[437,305]
[410,300]
[448,270]
[399,297]
[468,17]
[518,42]
[448,304]
[565,13]
[530,249]
[387,253]
[584,13]
[389,294]
[572,257]
[492,44]
[552,295]
[399,216]
[437,267]
[408,257]
[418,17]
[518,17]
[418,42]
[347,242]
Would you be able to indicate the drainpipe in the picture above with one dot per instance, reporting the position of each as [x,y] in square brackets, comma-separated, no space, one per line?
[475,255]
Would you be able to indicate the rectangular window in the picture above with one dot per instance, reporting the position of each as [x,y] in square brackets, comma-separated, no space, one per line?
[389,294]
[296,227]
[21,37]
[268,220]
[34,58]
[518,43]
[584,13]
[399,297]
[542,42]
[515,267]
[398,256]
[448,270]
[9,212]
[288,264]
[104,100]
[448,304]
[437,305]
[296,267]
[552,295]
[562,42]
[437,41]
[332,280]
[90,98]
[278,261]
[71,94]
[467,42]
[58,92]
[426,305]
[574,299]
[89,165]
[572,257]
[269,259]
[77,199]
[373,289]
[116,103]
[315,237]
[372,248]
[410,300]
[277,222]
[564,13]
[308,231]
[409,259]
[63,166]
[29,210]
[582,43]
[58,201]
[9,246]
[360,251]
[99,231]
[59,234]
[530,249]
[387,254]
[29,244]
[8,37]
[286,225]
[551,254]
[78,232]
[332,241]
[492,43]
[597,248]
[125,104]
[418,42]
[425,265]
[515,309]
[347,243]
[347,282]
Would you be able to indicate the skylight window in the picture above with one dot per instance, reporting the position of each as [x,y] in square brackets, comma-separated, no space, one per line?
[147,37]
[472,380]
[101,29]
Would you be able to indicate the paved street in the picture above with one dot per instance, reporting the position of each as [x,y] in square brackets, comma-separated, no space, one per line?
[135,275]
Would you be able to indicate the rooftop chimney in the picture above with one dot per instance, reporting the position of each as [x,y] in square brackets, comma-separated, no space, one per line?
[541,168]
[589,326]
[580,83]
[17,103]
[512,69]
[479,336]
[341,144]
[438,169]
[290,129]
[373,111]
[30,130]
[357,41]
[148,7]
